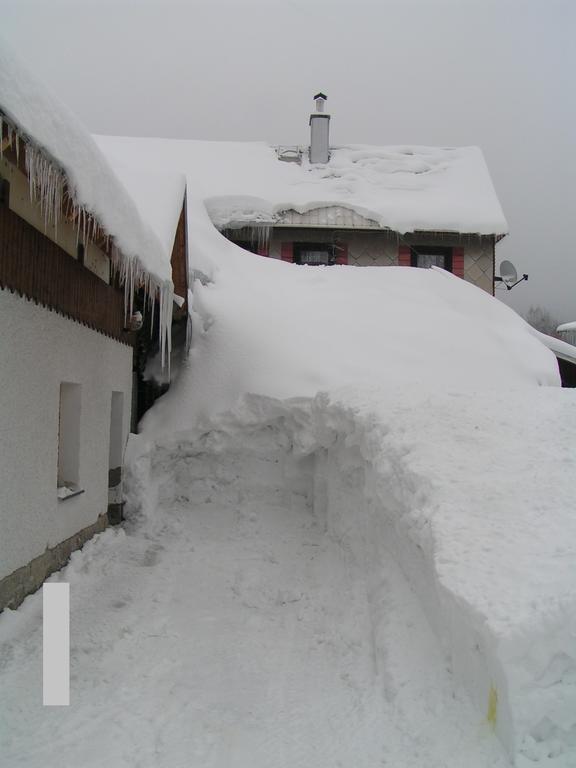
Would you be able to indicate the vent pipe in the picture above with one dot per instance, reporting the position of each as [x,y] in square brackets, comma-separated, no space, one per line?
[319,132]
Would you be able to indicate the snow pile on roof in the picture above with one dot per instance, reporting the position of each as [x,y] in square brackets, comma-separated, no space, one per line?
[402,188]
[52,128]
[158,194]
[566,327]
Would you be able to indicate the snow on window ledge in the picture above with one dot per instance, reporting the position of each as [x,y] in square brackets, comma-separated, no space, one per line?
[68,491]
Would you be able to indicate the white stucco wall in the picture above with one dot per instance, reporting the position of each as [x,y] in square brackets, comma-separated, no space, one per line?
[40,349]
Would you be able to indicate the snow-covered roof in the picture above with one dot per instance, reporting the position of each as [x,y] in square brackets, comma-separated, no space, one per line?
[402,188]
[158,195]
[566,327]
[60,152]
[52,128]
[561,349]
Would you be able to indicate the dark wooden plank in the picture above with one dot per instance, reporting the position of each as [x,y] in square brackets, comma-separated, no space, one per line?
[35,267]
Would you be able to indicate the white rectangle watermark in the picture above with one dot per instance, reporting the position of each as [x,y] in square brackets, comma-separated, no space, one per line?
[56,644]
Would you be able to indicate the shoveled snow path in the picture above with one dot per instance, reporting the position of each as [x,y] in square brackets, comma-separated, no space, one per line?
[229,630]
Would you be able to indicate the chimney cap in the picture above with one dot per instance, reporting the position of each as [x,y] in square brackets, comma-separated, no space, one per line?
[321,96]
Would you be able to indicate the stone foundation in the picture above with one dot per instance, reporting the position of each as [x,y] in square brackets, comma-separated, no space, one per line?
[22,582]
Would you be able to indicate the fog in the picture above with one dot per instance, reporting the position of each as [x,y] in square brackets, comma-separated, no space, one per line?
[498,74]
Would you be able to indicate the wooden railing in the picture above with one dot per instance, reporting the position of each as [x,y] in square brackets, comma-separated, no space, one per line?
[35,267]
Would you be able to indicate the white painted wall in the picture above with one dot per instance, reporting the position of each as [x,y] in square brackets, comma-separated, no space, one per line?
[40,349]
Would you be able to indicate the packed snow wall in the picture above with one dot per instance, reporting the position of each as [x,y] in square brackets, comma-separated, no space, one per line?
[375,477]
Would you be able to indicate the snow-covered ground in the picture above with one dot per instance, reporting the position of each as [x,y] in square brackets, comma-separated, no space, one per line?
[273,599]
[226,627]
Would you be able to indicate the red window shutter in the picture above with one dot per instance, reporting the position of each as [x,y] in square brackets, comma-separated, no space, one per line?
[287,251]
[263,250]
[458,261]
[404,256]
[341,253]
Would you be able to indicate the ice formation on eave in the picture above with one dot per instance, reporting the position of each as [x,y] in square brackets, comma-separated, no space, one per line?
[67,170]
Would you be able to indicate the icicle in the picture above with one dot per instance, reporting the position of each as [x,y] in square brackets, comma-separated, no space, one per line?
[153,304]
[165,330]
[46,184]
[48,187]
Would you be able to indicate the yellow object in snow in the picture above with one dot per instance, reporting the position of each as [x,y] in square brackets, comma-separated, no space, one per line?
[492,706]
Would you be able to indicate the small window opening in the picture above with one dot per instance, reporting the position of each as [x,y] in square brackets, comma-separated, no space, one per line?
[80,253]
[4,193]
[116,431]
[116,453]
[69,440]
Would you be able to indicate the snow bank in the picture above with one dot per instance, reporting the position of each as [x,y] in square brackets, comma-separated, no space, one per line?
[472,494]
[444,442]
[281,330]
[54,129]
[438,431]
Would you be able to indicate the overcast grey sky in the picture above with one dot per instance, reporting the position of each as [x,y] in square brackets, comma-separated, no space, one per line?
[496,73]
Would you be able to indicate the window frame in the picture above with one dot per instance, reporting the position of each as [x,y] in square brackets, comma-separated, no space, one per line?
[432,250]
[298,248]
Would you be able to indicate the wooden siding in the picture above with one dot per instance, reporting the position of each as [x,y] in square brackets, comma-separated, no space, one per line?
[179,263]
[331,216]
[35,267]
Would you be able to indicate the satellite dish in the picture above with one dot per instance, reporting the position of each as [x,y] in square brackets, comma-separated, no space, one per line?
[508,276]
[508,273]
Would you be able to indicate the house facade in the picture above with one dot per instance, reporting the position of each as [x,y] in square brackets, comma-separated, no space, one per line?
[65,389]
[429,208]
[335,235]
[80,276]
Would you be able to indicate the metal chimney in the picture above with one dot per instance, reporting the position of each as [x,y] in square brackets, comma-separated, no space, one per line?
[319,132]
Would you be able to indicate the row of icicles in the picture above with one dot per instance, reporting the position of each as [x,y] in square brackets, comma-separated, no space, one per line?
[49,188]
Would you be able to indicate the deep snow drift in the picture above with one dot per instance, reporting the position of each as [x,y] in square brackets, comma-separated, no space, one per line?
[280,330]
[462,439]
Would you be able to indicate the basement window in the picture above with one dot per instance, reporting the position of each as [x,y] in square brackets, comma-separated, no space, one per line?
[69,441]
